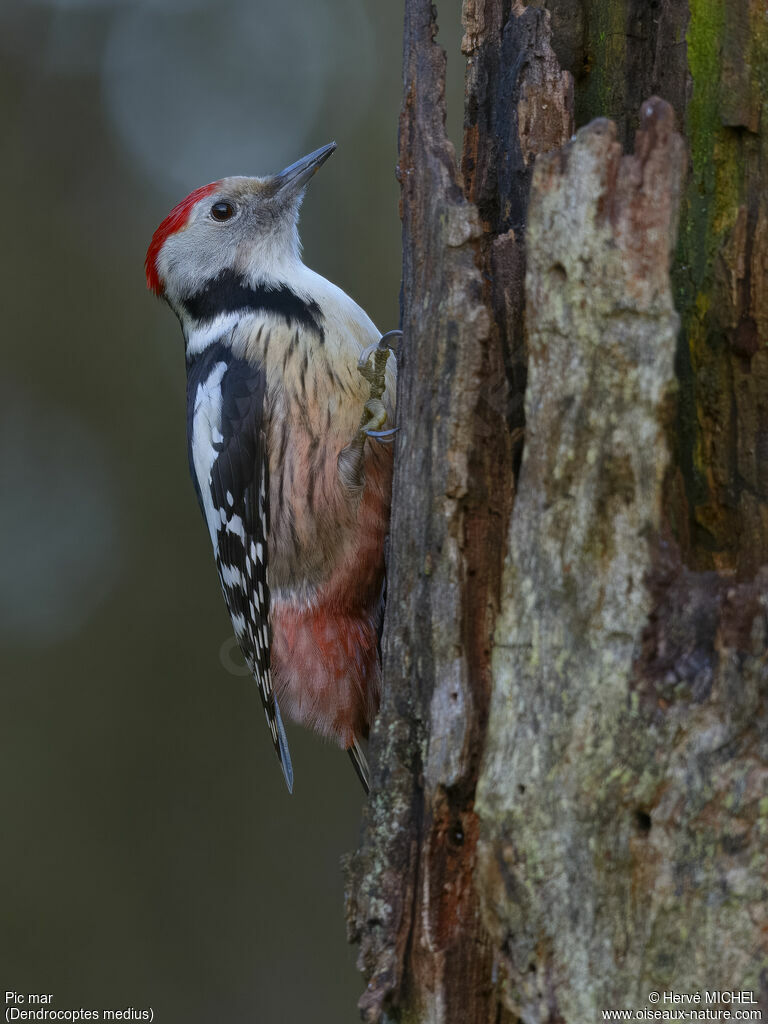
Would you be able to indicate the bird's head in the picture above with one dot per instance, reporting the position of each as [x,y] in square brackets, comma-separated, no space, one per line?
[241,226]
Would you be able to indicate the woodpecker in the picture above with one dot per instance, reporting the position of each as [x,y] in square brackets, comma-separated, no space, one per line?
[288,391]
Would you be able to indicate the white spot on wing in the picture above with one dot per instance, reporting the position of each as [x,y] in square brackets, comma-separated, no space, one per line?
[206,425]
[231,577]
[251,628]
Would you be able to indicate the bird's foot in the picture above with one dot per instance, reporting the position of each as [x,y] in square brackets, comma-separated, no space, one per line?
[374,416]
[374,371]
[377,414]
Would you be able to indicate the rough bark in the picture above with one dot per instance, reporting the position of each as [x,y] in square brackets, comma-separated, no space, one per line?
[569,805]
[413,904]
[599,812]
[420,833]
[519,103]
[709,59]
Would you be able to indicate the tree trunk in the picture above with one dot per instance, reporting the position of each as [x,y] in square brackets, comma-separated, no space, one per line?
[569,807]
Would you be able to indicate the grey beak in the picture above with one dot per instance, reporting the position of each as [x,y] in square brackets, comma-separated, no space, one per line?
[293,179]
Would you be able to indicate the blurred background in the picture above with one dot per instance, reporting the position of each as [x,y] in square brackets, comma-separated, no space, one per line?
[150,854]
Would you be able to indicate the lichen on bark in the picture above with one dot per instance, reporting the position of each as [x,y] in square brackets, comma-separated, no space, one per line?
[621,833]
[617,714]
[413,906]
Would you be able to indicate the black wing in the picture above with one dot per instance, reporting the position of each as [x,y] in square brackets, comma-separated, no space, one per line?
[230,468]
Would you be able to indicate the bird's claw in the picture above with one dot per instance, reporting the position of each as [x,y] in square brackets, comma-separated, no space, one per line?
[374,416]
[377,417]
[385,436]
[384,344]
[374,373]
[388,338]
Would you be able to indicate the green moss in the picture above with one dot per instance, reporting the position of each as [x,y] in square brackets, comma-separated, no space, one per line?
[704,39]
[698,239]
[605,92]
[710,208]
[758,58]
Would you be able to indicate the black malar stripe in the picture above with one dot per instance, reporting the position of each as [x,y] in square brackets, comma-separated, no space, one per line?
[229,292]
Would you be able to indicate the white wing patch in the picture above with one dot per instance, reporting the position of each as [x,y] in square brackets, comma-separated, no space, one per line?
[228,458]
[206,432]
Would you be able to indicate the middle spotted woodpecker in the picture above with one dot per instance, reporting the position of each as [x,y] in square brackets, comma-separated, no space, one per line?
[282,399]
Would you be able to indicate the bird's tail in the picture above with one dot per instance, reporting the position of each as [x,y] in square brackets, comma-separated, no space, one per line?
[283,753]
[360,764]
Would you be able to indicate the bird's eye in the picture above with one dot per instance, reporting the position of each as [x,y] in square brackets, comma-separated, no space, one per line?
[222,210]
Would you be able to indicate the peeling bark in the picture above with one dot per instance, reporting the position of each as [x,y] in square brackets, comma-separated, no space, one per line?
[569,802]
[709,59]
[413,904]
[596,806]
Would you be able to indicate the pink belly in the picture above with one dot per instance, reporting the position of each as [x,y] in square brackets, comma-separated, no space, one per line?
[325,669]
[325,661]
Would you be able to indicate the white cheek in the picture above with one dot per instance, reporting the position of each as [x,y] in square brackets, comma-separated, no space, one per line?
[195,254]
